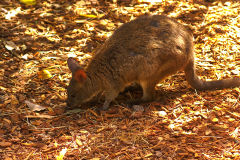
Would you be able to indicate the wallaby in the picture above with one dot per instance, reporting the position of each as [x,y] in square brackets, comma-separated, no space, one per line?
[145,51]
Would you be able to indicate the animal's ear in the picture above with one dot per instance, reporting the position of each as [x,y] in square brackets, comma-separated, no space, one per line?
[72,64]
[80,75]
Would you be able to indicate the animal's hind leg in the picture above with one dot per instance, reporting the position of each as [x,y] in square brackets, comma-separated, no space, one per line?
[148,90]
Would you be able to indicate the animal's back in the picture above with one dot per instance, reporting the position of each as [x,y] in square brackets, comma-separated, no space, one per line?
[147,48]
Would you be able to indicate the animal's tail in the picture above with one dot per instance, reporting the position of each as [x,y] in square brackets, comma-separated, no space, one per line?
[199,84]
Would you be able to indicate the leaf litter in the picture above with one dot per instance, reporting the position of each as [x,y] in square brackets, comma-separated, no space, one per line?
[36,38]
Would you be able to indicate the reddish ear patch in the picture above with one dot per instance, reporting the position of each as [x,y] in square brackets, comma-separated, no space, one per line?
[80,75]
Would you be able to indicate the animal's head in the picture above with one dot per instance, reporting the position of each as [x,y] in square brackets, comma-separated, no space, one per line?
[78,90]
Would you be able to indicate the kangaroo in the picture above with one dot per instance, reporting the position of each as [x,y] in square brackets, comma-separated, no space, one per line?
[144,51]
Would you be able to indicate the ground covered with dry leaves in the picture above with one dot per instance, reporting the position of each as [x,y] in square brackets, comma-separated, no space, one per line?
[37,37]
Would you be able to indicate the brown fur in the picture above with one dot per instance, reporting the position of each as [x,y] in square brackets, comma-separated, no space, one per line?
[145,50]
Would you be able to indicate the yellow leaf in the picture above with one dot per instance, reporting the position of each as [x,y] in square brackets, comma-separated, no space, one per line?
[196,155]
[88,15]
[148,155]
[237,89]
[217,108]
[83,131]
[27,144]
[149,1]
[62,153]
[44,74]
[28,2]
[92,16]
[214,120]
[55,144]
[79,142]
[231,119]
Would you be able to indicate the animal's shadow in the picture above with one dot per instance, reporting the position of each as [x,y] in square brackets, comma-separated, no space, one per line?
[131,96]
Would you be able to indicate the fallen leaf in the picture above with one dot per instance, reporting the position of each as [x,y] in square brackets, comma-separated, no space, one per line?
[39,116]
[5,144]
[148,155]
[34,107]
[62,153]
[28,2]
[79,143]
[162,113]
[215,120]
[44,74]
[138,108]
[9,45]
[235,133]
[14,101]
[92,16]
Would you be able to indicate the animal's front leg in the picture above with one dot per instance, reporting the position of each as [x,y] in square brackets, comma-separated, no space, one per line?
[110,95]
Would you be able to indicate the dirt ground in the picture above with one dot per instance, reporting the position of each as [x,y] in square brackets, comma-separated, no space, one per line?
[37,37]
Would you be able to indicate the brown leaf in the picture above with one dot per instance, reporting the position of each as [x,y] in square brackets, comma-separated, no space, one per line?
[39,116]
[5,144]
[34,107]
